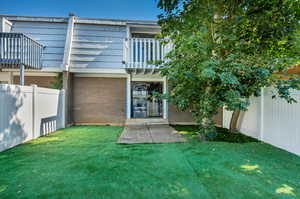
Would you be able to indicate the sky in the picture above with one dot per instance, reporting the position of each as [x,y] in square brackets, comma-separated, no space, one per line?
[111,9]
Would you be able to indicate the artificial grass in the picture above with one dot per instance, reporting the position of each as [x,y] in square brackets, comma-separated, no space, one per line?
[85,162]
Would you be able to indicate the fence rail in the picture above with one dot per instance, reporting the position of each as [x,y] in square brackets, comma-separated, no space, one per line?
[141,53]
[18,49]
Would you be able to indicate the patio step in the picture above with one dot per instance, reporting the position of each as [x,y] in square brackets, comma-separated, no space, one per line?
[134,134]
[146,121]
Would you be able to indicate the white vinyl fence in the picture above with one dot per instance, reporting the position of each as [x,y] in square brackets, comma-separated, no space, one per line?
[28,112]
[273,121]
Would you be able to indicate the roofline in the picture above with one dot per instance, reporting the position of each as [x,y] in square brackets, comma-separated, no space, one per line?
[36,18]
[81,20]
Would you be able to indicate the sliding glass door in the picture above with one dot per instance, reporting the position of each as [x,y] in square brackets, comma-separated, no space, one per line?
[144,103]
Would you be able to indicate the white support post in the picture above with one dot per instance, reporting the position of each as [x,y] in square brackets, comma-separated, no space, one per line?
[128,42]
[165,103]
[135,60]
[262,102]
[128,97]
[68,43]
[131,54]
[145,53]
[140,52]
[22,71]
[10,78]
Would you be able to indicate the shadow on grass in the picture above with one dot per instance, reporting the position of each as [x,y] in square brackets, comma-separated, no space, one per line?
[221,134]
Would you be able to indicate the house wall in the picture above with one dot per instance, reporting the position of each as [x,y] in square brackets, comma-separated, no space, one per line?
[97,46]
[41,81]
[99,100]
[218,118]
[6,77]
[51,35]
[93,46]
[179,117]
[68,87]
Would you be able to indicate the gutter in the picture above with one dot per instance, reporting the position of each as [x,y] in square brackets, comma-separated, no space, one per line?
[80,20]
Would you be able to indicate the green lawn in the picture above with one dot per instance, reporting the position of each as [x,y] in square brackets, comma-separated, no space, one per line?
[85,162]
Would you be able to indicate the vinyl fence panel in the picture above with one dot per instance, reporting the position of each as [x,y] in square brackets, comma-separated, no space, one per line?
[28,112]
[273,121]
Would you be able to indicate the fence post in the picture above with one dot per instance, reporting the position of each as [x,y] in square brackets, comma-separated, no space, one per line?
[63,108]
[34,109]
[262,102]
[22,70]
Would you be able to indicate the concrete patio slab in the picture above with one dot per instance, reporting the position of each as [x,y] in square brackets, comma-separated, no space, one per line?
[134,134]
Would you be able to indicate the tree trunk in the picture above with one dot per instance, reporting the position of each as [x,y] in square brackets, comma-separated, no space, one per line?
[234,121]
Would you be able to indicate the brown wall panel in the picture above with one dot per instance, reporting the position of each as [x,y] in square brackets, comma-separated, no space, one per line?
[40,81]
[176,116]
[98,100]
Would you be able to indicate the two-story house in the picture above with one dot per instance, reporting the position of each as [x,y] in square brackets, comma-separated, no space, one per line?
[106,66]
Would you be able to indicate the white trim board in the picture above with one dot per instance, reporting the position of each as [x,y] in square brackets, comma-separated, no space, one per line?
[119,22]
[44,70]
[147,78]
[97,70]
[113,75]
[139,79]
[36,74]
[143,26]
[68,44]
[48,69]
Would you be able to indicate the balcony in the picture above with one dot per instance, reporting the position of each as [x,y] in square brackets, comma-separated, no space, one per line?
[143,54]
[17,50]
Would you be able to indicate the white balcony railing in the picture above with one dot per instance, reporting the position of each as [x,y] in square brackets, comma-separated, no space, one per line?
[144,53]
[18,49]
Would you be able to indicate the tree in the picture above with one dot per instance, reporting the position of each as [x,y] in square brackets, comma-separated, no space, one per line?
[58,82]
[225,51]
